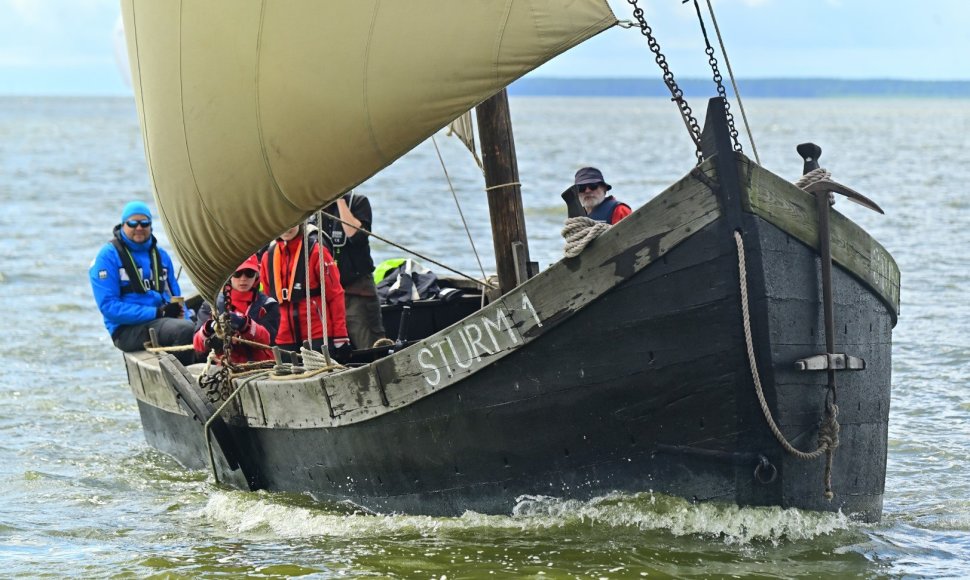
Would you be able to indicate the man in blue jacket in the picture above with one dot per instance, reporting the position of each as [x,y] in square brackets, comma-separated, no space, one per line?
[133,283]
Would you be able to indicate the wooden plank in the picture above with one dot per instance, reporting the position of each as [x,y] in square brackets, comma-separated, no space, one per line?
[793,210]
[250,404]
[147,383]
[356,393]
[296,404]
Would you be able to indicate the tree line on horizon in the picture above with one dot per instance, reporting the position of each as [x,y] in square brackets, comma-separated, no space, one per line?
[768,88]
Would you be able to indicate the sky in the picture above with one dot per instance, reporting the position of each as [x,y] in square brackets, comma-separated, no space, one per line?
[67,47]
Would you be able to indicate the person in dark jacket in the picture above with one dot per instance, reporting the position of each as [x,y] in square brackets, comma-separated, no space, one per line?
[133,283]
[253,315]
[589,189]
[350,246]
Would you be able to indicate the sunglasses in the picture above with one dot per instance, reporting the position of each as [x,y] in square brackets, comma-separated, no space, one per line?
[135,223]
[247,273]
[588,186]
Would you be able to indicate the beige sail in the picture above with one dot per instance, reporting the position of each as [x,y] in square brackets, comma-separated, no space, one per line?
[256,113]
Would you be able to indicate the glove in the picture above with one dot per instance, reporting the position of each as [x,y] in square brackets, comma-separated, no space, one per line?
[341,349]
[170,310]
[214,343]
[238,322]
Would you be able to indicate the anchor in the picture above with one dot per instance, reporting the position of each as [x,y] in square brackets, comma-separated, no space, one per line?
[823,191]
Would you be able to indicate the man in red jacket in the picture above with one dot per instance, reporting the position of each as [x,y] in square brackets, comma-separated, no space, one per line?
[283,272]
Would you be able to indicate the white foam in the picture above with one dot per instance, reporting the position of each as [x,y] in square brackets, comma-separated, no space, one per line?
[730,523]
[261,514]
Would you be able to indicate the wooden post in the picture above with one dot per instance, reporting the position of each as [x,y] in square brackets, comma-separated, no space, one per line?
[502,174]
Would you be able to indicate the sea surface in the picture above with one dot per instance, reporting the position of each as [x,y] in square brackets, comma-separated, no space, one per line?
[82,495]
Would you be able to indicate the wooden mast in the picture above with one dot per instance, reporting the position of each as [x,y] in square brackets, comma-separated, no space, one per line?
[504,192]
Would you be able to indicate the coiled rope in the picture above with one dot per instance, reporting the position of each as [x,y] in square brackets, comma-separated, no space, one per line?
[315,361]
[828,432]
[579,232]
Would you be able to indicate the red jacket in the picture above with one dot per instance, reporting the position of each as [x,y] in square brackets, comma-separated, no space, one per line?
[619,212]
[242,303]
[283,277]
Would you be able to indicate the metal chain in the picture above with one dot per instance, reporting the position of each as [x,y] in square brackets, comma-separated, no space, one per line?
[227,326]
[213,384]
[217,386]
[678,95]
[721,91]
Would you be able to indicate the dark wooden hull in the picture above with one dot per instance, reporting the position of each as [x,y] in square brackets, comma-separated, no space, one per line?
[646,388]
[622,369]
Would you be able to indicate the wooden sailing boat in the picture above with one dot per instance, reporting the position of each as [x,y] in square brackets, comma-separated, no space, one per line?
[507,401]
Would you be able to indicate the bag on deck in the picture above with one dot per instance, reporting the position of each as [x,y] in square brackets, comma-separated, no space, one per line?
[408,282]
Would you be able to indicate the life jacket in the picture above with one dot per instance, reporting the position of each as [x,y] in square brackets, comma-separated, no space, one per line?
[294,292]
[158,278]
[604,211]
[353,258]
[334,230]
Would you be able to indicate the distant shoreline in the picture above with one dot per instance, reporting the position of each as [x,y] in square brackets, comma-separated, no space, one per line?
[777,88]
[768,88]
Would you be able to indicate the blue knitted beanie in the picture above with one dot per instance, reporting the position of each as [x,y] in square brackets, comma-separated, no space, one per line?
[135,208]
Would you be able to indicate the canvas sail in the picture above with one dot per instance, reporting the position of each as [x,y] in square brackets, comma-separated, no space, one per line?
[256,113]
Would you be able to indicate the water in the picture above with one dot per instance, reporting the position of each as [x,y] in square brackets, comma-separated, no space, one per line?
[81,494]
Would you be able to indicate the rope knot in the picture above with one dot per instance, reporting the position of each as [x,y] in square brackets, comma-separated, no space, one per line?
[828,431]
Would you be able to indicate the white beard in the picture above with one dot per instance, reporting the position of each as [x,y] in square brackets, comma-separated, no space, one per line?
[589,202]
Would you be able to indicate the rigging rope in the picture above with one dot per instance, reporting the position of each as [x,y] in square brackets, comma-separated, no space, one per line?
[482,283]
[179,348]
[458,205]
[306,286]
[828,431]
[501,185]
[208,424]
[323,294]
